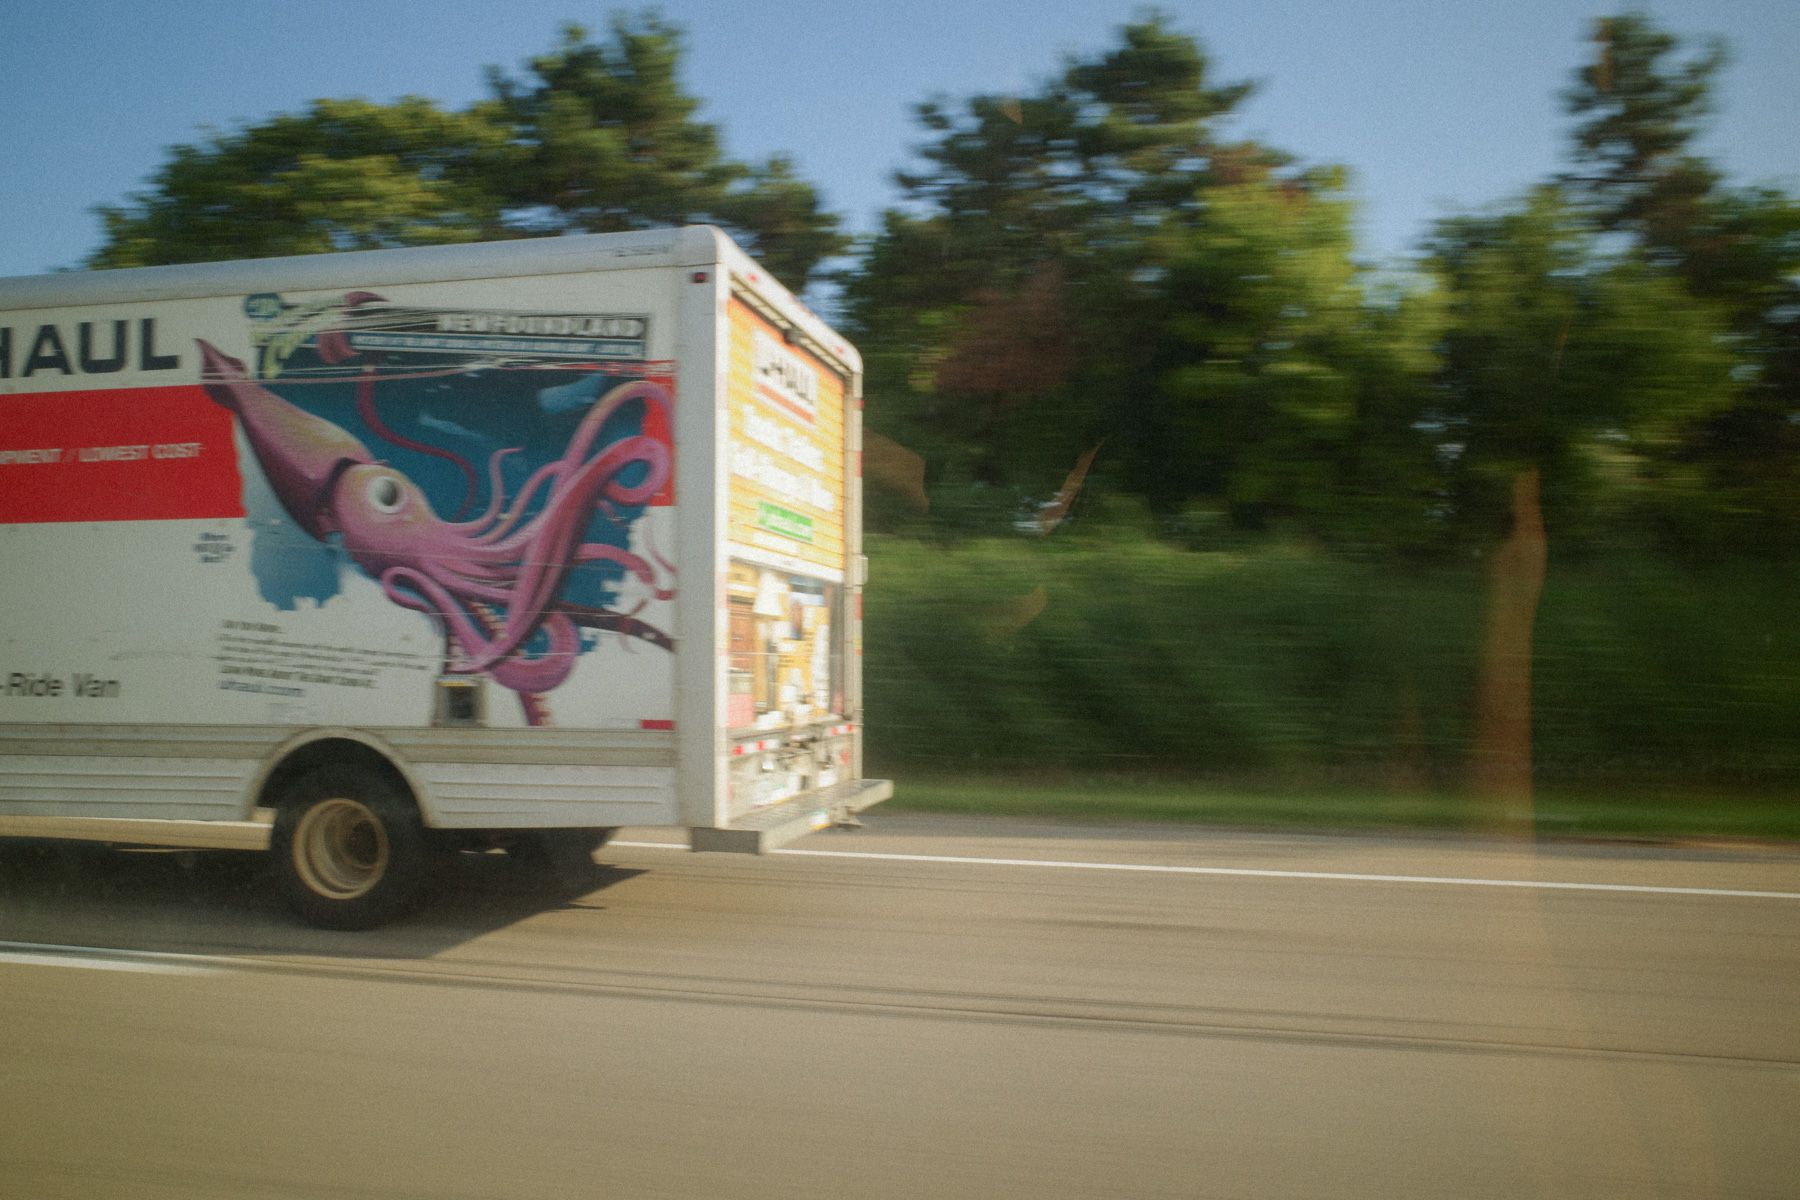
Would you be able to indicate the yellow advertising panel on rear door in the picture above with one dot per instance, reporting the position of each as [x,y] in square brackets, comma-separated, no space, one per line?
[786,451]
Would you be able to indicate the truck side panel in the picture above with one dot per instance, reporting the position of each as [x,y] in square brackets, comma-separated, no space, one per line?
[417,508]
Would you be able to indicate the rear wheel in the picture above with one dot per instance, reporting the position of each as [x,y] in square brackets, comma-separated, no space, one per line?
[349,848]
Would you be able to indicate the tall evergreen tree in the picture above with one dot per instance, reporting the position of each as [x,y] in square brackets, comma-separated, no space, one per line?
[1639,105]
[1638,110]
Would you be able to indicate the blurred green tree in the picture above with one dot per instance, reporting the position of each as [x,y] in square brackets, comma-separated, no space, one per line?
[607,139]
[1741,466]
[1734,481]
[1266,383]
[1638,113]
[596,136]
[343,175]
[1094,262]
[1565,370]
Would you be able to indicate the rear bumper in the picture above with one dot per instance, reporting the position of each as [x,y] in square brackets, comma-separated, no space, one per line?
[769,828]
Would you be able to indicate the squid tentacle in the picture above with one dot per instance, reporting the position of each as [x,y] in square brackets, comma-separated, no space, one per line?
[515,514]
[421,592]
[542,672]
[596,551]
[518,563]
[653,396]
[576,451]
[577,494]
[496,497]
[553,536]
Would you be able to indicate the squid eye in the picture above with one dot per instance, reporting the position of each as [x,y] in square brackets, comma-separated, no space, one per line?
[384,493]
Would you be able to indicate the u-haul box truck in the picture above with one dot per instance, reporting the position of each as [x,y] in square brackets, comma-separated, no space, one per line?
[359,556]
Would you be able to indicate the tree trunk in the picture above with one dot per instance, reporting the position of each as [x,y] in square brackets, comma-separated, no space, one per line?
[1501,769]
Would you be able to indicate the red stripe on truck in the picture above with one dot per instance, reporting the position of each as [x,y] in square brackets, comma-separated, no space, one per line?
[137,454]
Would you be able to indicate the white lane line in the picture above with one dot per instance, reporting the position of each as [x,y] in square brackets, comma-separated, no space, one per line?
[94,958]
[1258,873]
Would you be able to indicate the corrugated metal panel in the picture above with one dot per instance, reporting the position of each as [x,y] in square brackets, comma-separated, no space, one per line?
[194,789]
[474,795]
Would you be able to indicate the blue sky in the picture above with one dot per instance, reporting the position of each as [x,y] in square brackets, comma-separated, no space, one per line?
[1434,105]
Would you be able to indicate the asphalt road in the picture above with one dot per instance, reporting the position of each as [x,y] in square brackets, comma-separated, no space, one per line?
[997,1010]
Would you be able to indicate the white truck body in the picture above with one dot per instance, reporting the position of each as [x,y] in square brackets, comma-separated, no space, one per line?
[566,531]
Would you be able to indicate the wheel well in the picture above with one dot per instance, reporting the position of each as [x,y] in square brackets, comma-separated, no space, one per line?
[332,752]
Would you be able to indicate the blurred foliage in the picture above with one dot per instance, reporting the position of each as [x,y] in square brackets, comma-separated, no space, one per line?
[1144,655]
[595,136]
[1734,476]
[1639,111]
[1094,264]
[344,175]
[608,140]
[1287,664]
[1518,506]
[1557,356]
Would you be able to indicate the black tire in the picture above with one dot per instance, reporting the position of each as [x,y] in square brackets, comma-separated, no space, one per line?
[563,854]
[349,848]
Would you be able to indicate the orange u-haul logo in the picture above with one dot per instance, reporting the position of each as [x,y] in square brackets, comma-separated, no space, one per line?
[783,378]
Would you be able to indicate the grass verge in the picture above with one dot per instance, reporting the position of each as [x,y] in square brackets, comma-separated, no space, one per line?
[1660,812]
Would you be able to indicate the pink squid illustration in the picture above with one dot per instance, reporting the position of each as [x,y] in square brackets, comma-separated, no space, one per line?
[492,581]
